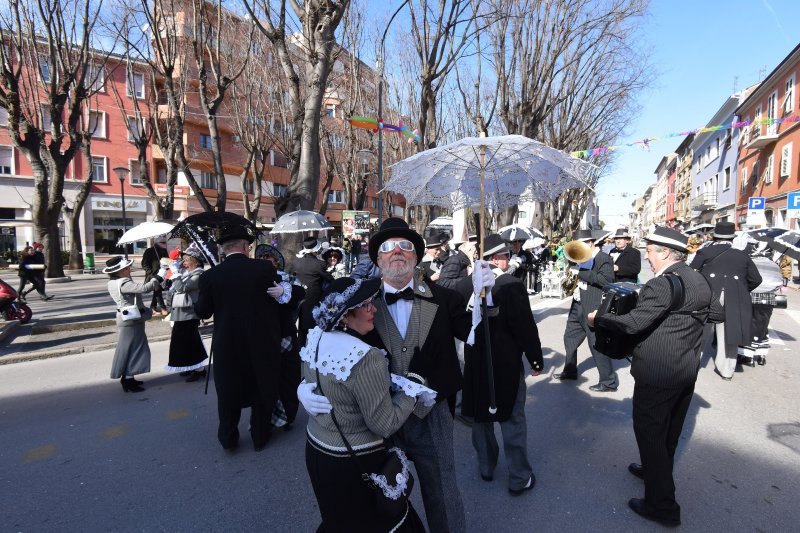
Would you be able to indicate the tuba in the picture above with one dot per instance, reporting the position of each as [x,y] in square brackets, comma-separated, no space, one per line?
[575,252]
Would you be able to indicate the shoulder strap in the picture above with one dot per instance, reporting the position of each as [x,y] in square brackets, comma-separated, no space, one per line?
[676,284]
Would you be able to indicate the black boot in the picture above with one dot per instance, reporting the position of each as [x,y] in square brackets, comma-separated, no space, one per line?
[129,385]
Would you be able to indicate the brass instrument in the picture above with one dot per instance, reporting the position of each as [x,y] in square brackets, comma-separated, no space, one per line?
[575,252]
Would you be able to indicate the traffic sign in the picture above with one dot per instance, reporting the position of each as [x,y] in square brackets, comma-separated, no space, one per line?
[756,203]
[793,200]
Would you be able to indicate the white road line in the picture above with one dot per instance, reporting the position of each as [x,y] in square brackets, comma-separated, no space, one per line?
[775,338]
[794,314]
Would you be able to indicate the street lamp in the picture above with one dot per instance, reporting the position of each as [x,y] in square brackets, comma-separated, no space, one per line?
[380,65]
[122,173]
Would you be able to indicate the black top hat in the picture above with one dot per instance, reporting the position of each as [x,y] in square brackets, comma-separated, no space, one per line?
[395,227]
[622,233]
[117,263]
[582,235]
[340,296]
[310,243]
[233,233]
[670,238]
[494,244]
[724,230]
[432,242]
[267,250]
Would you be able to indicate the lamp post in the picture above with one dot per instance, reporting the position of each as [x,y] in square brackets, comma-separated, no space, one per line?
[122,173]
[364,157]
[380,65]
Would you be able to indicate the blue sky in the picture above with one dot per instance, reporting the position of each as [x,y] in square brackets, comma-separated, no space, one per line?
[697,48]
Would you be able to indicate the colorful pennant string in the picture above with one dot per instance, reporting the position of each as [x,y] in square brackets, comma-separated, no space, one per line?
[645,143]
[374,124]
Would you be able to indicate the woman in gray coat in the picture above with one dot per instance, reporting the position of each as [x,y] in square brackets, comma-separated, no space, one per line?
[132,355]
[186,350]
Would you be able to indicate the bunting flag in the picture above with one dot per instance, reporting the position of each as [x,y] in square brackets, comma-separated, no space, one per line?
[645,143]
[375,124]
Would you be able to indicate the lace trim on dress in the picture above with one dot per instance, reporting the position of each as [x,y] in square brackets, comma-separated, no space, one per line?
[393,492]
[413,389]
[338,352]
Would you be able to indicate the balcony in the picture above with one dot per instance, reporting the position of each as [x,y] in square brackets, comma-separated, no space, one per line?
[761,135]
[704,202]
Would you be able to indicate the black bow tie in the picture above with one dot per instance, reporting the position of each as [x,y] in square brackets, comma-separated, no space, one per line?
[405,294]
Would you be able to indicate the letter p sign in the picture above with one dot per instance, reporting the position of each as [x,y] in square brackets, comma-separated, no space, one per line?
[756,203]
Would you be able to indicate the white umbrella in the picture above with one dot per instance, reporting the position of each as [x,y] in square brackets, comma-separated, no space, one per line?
[145,230]
[300,221]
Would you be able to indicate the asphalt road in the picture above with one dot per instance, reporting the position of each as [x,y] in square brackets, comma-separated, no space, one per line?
[78,454]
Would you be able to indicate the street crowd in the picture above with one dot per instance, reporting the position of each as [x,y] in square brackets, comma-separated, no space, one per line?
[385,351]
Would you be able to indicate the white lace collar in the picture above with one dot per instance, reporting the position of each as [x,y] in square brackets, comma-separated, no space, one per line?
[338,352]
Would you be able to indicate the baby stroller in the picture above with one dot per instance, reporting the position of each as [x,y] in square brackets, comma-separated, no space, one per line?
[11,307]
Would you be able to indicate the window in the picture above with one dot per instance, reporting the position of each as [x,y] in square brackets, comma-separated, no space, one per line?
[279,160]
[249,186]
[717,143]
[768,170]
[336,197]
[47,122]
[44,68]
[6,160]
[3,117]
[99,170]
[136,172]
[756,173]
[205,141]
[788,96]
[374,203]
[97,124]
[162,175]
[96,78]
[135,128]
[279,191]
[208,180]
[728,136]
[709,157]
[743,179]
[699,164]
[726,183]
[135,85]
[786,161]
[772,113]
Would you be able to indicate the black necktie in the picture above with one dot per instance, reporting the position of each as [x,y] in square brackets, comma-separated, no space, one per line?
[405,294]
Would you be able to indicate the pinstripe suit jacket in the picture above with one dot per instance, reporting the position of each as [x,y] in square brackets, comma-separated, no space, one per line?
[668,352]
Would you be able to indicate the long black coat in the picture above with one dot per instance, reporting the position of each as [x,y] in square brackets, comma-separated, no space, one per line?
[311,272]
[246,342]
[629,263]
[151,261]
[597,277]
[513,333]
[453,270]
[730,269]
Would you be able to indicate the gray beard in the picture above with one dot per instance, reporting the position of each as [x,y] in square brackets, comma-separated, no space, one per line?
[398,275]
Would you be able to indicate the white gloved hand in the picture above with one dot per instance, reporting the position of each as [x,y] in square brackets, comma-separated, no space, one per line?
[162,272]
[482,277]
[314,404]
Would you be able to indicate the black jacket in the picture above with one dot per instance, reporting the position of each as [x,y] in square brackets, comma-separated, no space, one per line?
[311,272]
[629,263]
[597,277]
[151,261]
[453,270]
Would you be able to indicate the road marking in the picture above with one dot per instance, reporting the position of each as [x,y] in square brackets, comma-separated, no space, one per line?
[40,453]
[794,314]
[114,432]
[177,414]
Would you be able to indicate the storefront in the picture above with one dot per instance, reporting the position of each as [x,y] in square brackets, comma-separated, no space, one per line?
[106,216]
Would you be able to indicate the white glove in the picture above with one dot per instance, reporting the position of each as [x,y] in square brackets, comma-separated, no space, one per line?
[482,277]
[162,272]
[314,404]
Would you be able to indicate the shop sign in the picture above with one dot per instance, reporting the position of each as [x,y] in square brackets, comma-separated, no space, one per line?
[115,204]
[355,222]
[180,190]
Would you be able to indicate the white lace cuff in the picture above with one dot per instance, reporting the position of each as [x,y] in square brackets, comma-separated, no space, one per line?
[287,293]
[411,388]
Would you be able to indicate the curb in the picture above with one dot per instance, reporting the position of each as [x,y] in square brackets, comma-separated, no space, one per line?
[7,328]
[50,354]
[71,326]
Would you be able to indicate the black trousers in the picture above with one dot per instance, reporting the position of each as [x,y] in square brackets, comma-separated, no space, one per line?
[157,301]
[576,332]
[658,416]
[228,430]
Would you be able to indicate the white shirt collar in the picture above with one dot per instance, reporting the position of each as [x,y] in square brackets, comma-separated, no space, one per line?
[388,288]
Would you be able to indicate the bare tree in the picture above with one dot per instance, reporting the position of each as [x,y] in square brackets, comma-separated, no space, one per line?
[50,66]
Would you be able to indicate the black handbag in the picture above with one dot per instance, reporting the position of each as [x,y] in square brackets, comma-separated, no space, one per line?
[392,483]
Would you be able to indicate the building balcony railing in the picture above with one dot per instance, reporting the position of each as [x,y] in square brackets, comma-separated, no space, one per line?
[761,135]
[704,201]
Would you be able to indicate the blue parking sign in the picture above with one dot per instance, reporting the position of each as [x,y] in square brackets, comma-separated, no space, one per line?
[793,200]
[756,203]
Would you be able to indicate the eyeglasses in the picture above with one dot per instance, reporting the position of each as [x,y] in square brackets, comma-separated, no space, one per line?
[389,246]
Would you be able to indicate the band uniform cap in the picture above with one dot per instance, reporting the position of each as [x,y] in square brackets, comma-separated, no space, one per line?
[234,233]
[670,238]
[395,227]
[724,230]
[583,235]
[622,233]
[117,263]
[494,244]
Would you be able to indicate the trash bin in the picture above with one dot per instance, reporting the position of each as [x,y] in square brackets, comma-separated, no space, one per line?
[88,262]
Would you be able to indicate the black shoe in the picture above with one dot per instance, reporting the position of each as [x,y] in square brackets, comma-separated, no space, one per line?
[602,388]
[196,374]
[747,361]
[136,381]
[529,486]
[643,509]
[761,360]
[563,376]
[47,298]
[636,470]
[186,373]
[129,385]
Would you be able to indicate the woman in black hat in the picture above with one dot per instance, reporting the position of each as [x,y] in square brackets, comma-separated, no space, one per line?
[186,350]
[333,258]
[355,377]
[132,355]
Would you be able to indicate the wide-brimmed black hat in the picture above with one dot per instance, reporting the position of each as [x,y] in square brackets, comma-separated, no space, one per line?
[264,250]
[670,238]
[333,250]
[622,233]
[311,244]
[340,296]
[233,233]
[117,263]
[724,230]
[194,251]
[582,235]
[432,242]
[494,244]
[395,227]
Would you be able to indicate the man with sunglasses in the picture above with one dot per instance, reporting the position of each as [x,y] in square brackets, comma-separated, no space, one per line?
[416,323]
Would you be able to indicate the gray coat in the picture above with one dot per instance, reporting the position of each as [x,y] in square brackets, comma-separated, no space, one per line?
[188,283]
[126,292]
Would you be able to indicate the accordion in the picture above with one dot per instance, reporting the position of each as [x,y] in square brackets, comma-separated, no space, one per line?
[618,299]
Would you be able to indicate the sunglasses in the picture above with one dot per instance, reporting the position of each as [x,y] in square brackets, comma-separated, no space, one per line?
[389,246]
